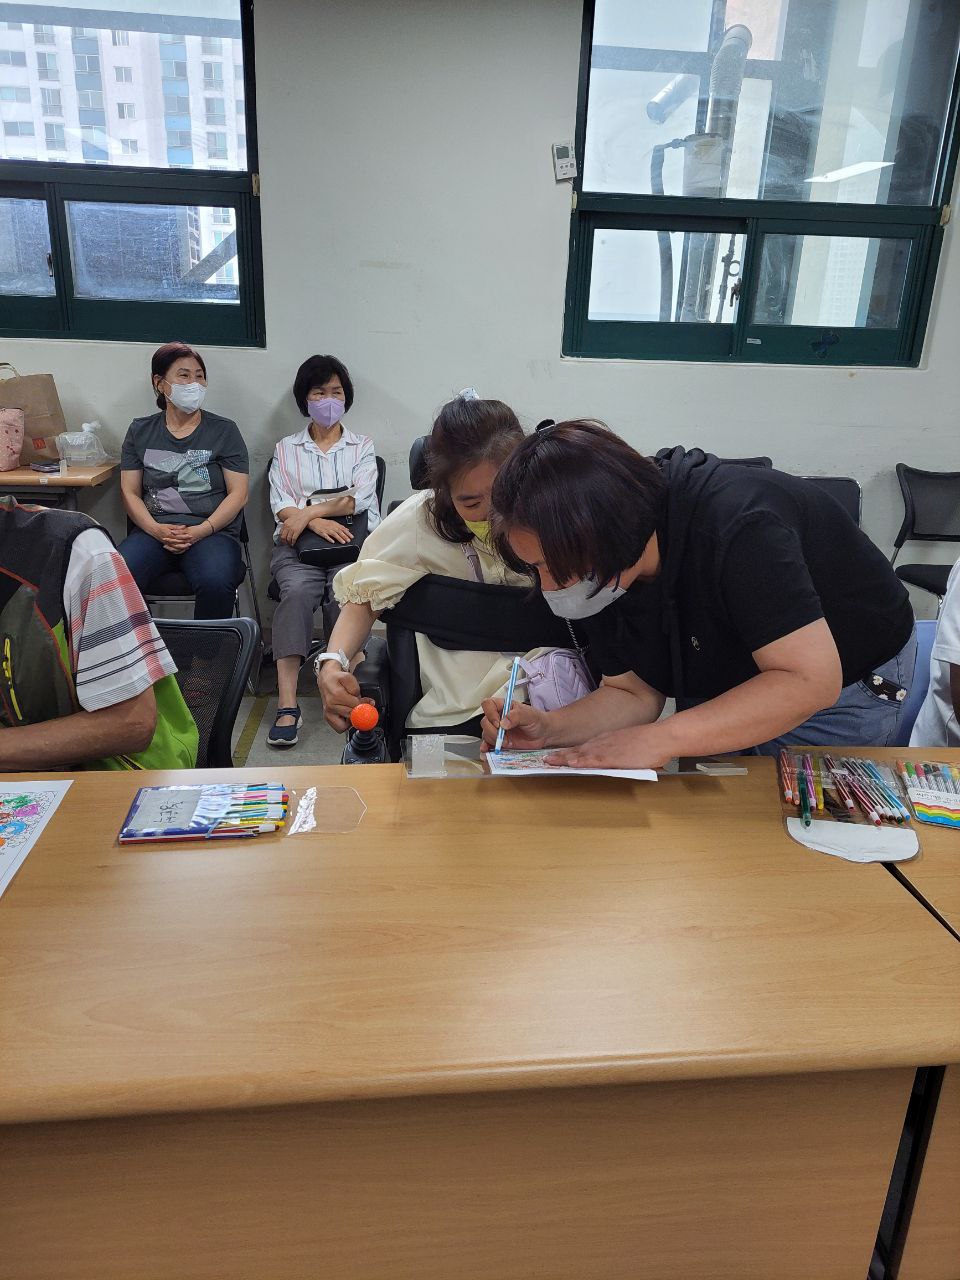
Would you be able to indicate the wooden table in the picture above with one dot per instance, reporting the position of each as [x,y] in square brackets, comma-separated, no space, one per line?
[932,1249]
[503,1028]
[52,487]
[935,875]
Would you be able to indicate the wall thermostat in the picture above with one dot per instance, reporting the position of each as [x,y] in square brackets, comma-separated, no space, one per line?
[564,161]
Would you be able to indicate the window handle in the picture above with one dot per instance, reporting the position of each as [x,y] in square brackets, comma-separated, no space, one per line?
[50,265]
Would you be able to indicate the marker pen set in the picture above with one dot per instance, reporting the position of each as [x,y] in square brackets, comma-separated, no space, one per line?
[211,812]
[934,791]
[843,788]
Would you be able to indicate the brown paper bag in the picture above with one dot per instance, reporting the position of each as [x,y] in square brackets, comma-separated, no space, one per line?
[11,438]
[36,395]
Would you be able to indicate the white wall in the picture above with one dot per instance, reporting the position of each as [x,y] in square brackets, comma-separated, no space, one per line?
[411,225]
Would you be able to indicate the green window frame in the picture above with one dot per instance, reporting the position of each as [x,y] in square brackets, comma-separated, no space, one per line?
[63,313]
[914,232]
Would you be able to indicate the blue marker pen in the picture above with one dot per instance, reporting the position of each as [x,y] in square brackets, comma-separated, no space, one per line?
[507,702]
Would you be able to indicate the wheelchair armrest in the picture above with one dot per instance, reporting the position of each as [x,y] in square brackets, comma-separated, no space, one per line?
[373,674]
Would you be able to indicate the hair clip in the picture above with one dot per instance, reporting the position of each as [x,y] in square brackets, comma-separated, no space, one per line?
[545,424]
[468,393]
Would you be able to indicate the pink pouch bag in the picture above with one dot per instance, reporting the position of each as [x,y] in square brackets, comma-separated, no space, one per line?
[11,438]
[556,679]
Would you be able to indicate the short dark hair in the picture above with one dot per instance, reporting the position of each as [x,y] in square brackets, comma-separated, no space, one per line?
[314,372]
[591,500]
[465,433]
[163,360]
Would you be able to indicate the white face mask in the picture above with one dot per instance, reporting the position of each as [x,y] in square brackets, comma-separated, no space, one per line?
[581,599]
[187,396]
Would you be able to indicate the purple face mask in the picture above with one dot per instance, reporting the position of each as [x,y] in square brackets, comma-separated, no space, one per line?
[326,412]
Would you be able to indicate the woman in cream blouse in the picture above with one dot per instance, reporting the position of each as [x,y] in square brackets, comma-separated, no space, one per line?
[430,533]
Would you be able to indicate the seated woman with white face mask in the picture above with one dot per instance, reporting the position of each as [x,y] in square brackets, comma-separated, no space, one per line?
[184,482]
[308,468]
[442,530]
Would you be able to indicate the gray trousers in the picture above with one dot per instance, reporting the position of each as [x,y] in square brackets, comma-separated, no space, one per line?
[303,590]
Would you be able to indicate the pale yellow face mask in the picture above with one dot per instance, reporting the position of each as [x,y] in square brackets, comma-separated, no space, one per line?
[480,529]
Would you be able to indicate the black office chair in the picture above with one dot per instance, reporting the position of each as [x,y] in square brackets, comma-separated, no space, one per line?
[845,489]
[418,469]
[453,614]
[931,513]
[749,462]
[214,659]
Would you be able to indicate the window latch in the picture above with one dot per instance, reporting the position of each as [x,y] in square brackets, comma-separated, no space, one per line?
[50,265]
[735,290]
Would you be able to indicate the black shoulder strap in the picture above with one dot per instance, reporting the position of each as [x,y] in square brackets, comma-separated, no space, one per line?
[455,614]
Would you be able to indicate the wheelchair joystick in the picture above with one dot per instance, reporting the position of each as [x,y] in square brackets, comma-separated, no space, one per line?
[365,742]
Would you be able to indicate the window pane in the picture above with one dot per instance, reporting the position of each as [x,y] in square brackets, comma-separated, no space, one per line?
[161,59]
[151,253]
[840,281]
[24,246]
[651,24]
[825,100]
[664,275]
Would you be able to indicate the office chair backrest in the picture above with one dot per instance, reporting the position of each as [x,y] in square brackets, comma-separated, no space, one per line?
[844,489]
[214,658]
[749,462]
[931,505]
[926,633]
[419,471]
[456,614]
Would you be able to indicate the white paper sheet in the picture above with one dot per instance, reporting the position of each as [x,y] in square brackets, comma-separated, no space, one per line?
[856,842]
[526,764]
[25,809]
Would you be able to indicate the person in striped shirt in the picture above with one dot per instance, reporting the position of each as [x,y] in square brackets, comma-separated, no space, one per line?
[85,679]
[325,455]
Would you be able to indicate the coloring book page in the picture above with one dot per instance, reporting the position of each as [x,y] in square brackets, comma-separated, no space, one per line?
[531,763]
[25,809]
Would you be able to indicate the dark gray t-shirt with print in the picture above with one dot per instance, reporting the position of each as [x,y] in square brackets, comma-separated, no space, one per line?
[183,478]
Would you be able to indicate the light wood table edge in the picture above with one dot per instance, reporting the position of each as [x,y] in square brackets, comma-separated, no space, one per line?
[24,1107]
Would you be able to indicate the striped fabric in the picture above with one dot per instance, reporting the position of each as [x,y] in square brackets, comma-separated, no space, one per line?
[115,649]
[300,468]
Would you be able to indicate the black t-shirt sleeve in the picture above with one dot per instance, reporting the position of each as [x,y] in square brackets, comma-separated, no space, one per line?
[765,583]
[232,452]
[131,458]
[628,636]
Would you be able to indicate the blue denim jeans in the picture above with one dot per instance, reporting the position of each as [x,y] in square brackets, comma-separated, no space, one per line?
[213,567]
[858,718]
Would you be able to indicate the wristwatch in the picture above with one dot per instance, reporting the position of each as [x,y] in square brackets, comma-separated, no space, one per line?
[339,656]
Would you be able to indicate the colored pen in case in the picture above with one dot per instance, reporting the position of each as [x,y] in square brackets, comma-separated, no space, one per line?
[870,788]
[818,783]
[843,791]
[507,702]
[804,797]
[892,797]
[886,804]
[785,778]
[865,803]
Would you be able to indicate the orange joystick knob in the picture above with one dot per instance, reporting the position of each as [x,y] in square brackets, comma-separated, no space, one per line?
[364,717]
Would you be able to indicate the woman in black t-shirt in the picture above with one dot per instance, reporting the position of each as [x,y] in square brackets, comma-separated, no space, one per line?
[184,483]
[748,595]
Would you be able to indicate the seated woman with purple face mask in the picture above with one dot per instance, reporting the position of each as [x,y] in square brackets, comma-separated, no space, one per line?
[325,455]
